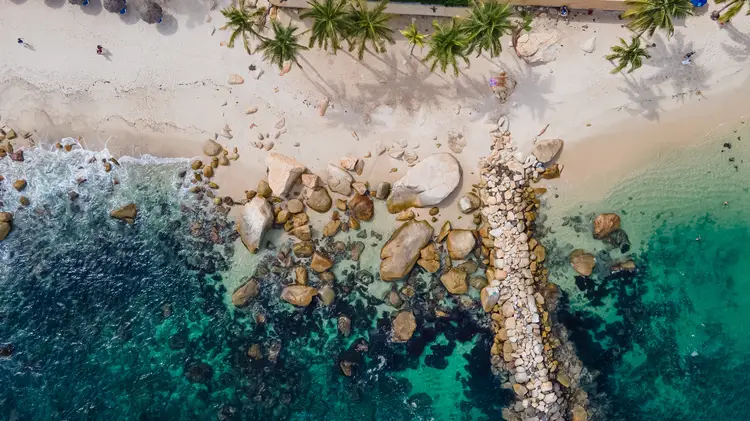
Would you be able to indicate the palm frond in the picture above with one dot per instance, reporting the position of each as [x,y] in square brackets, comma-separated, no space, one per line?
[646,16]
[447,45]
[283,46]
[488,22]
[369,26]
[331,23]
[243,21]
[628,55]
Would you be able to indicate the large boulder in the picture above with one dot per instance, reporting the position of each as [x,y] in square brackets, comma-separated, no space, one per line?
[425,184]
[538,47]
[319,200]
[605,224]
[362,207]
[283,171]
[403,326]
[403,249]
[256,218]
[455,281]
[298,295]
[211,148]
[460,243]
[489,297]
[582,262]
[126,213]
[245,292]
[320,263]
[339,180]
[546,150]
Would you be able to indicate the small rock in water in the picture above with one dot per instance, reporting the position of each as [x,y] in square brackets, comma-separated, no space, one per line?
[19,185]
[126,213]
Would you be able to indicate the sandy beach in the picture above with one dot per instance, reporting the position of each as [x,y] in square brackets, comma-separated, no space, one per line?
[164,89]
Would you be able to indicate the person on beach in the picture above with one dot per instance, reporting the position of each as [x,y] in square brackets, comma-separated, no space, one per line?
[687,58]
[20,41]
[99,50]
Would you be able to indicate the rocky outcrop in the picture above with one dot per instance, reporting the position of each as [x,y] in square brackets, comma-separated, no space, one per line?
[126,213]
[338,180]
[211,148]
[605,224]
[403,249]
[298,295]
[455,281]
[319,200]
[538,47]
[362,207]
[283,172]
[245,293]
[256,218]
[460,243]
[546,150]
[582,262]
[425,184]
[403,327]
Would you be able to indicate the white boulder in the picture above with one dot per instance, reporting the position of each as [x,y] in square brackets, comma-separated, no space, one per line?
[425,184]
[256,218]
[283,171]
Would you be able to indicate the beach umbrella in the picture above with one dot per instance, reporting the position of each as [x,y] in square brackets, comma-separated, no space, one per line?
[698,3]
[79,2]
[150,12]
[115,6]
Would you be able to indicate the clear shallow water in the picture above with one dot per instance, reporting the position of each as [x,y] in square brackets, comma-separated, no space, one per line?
[671,341]
[117,322]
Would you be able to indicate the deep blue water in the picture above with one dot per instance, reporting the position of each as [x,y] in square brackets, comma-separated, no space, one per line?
[670,341]
[109,321]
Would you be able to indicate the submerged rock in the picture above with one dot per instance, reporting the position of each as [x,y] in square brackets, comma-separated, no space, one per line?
[245,292]
[126,213]
[403,249]
[626,266]
[199,372]
[619,239]
[403,326]
[256,218]
[582,262]
[604,224]
[425,184]
[299,295]
[455,281]
[327,295]
[283,172]
[6,350]
[19,185]
[344,325]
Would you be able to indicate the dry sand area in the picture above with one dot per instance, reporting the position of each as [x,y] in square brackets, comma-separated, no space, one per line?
[163,90]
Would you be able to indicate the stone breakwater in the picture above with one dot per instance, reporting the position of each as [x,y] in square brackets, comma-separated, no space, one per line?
[524,349]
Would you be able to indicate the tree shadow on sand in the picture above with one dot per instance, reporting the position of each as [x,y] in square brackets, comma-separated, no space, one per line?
[740,50]
[686,80]
[644,98]
[195,10]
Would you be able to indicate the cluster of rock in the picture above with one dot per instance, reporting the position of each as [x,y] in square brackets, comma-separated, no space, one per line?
[524,343]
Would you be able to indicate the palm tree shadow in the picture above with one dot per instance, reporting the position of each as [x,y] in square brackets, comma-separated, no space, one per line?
[686,80]
[741,51]
[195,10]
[644,98]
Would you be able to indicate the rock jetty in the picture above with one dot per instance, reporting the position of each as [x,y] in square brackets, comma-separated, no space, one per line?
[523,353]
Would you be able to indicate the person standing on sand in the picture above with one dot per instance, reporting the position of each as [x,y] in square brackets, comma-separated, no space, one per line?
[99,50]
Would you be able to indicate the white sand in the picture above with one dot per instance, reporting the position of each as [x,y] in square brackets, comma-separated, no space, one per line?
[161,91]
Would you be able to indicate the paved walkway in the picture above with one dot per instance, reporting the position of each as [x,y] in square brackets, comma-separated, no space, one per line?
[416,9]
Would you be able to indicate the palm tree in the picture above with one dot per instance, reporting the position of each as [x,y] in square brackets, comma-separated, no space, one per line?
[650,15]
[628,55]
[488,22]
[734,7]
[331,23]
[244,22]
[369,25]
[283,47]
[413,37]
[447,44]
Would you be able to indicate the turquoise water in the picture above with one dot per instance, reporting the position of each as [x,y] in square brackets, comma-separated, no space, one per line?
[670,341]
[115,322]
